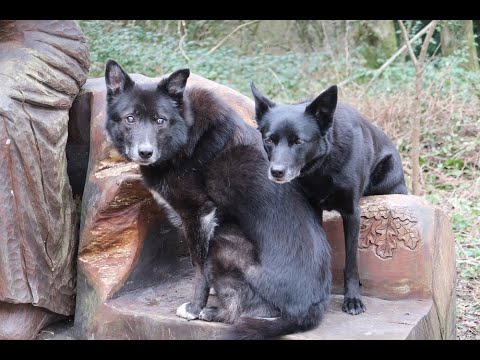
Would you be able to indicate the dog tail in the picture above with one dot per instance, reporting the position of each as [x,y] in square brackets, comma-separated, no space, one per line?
[250,328]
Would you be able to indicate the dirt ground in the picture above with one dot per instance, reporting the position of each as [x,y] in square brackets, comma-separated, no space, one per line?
[468,309]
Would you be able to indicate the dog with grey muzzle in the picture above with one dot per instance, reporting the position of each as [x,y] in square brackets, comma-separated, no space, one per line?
[269,264]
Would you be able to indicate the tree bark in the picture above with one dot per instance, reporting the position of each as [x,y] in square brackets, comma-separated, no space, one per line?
[415,134]
[378,40]
[458,35]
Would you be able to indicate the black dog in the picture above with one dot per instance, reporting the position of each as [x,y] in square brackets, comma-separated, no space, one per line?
[336,156]
[269,263]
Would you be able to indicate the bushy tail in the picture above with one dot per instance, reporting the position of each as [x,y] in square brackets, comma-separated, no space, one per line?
[248,328]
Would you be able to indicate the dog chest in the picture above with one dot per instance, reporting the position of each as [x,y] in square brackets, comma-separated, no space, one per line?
[324,192]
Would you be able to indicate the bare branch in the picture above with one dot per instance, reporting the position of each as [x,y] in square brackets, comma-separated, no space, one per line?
[182,38]
[426,42]
[394,56]
[407,43]
[230,34]
[331,53]
[347,53]
[409,26]
[417,176]
[353,78]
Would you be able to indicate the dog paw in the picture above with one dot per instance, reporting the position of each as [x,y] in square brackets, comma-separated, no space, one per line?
[353,306]
[186,311]
[208,313]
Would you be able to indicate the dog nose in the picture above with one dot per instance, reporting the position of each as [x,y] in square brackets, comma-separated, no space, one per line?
[145,151]
[277,171]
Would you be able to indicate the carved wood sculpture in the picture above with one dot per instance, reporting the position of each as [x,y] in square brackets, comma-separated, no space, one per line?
[406,251]
[43,65]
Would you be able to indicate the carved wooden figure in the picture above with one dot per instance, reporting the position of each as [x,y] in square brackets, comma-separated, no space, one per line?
[43,65]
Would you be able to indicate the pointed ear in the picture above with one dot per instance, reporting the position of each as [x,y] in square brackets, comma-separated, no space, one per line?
[262,104]
[323,108]
[175,84]
[116,78]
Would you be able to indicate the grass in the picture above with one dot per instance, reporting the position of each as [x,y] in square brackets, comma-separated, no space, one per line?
[450,154]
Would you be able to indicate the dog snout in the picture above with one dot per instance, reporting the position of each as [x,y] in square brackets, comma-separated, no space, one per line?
[278,171]
[145,151]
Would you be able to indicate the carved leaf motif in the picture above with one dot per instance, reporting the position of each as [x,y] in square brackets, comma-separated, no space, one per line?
[376,212]
[408,233]
[367,232]
[386,239]
[383,228]
[371,220]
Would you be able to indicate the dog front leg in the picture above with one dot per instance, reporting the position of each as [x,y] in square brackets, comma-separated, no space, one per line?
[191,310]
[199,234]
[352,302]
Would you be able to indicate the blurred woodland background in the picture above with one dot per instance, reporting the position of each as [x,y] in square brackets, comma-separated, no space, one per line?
[426,93]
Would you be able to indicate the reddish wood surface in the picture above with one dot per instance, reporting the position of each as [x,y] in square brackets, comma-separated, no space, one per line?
[43,64]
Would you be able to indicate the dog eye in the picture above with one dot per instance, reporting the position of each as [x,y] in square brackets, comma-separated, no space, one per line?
[299,142]
[161,121]
[268,141]
[130,119]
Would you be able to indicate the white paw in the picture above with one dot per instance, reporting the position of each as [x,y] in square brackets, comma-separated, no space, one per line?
[183,313]
[201,316]
[212,291]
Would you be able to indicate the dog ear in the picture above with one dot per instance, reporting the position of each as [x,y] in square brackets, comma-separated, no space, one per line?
[116,79]
[323,108]
[262,104]
[175,84]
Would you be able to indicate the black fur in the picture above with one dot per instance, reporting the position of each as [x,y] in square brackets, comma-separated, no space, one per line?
[257,243]
[336,156]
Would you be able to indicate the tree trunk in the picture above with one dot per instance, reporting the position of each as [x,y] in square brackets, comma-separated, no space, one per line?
[415,134]
[458,35]
[377,38]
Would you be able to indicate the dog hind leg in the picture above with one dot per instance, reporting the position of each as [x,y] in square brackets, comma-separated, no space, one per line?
[387,177]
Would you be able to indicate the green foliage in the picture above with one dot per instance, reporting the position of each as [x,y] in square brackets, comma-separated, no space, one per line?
[139,48]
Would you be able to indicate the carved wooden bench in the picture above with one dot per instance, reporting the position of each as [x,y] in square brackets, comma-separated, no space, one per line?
[133,272]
